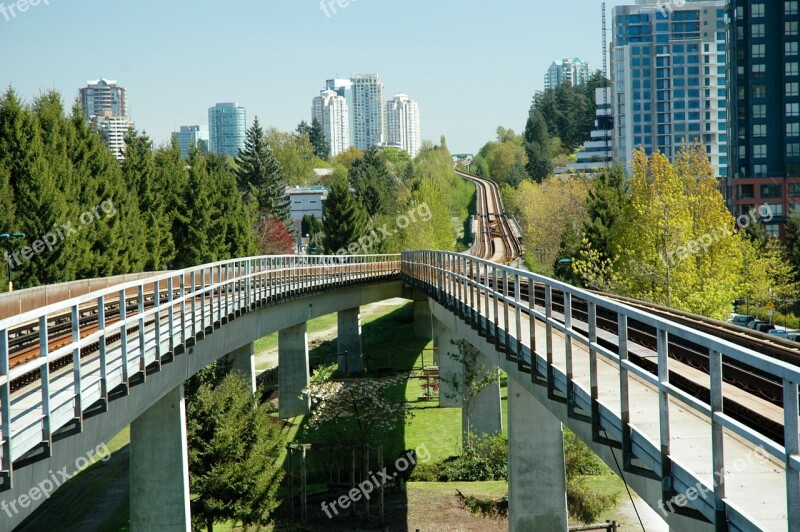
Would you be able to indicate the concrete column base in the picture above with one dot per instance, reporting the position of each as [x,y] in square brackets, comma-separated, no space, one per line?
[243,362]
[537,483]
[293,371]
[349,341]
[159,467]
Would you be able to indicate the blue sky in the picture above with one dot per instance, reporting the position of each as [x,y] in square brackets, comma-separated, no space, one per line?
[471,65]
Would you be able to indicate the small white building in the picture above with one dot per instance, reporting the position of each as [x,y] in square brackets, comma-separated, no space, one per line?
[305,201]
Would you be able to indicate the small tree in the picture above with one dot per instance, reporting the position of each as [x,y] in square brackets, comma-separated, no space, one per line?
[274,238]
[471,382]
[234,445]
[345,220]
[364,401]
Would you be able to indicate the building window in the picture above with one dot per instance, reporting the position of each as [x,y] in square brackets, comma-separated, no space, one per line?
[760,111]
[794,191]
[793,129]
[759,130]
[792,69]
[760,170]
[771,191]
[747,191]
[759,51]
[773,230]
[776,209]
[760,151]
[759,70]
[793,149]
[792,88]
[757,10]
[793,109]
[757,30]
[790,7]
[759,90]
[790,28]
[791,48]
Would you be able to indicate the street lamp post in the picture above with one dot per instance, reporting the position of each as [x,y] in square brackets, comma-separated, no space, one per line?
[7,237]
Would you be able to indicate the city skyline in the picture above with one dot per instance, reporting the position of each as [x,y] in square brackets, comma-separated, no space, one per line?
[434,68]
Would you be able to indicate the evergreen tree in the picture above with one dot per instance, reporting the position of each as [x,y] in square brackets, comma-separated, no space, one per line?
[261,179]
[344,220]
[239,238]
[151,186]
[375,188]
[607,198]
[537,141]
[200,228]
[234,449]
[317,137]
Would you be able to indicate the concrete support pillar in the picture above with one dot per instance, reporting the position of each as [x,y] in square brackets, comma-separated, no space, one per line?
[484,415]
[243,362]
[537,485]
[423,321]
[159,467]
[449,369]
[349,342]
[293,371]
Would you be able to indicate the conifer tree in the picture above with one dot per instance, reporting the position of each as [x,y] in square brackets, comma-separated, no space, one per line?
[317,137]
[344,220]
[261,179]
[374,186]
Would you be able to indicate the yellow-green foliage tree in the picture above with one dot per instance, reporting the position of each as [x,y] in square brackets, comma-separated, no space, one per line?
[547,211]
[675,242]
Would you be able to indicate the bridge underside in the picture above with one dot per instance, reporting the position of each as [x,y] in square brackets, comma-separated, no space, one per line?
[108,419]
[527,502]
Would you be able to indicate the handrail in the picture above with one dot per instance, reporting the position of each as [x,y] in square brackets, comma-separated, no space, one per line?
[471,286]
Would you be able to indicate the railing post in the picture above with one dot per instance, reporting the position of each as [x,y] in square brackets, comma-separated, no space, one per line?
[717,435]
[663,411]
[496,306]
[44,352]
[101,343]
[171,316]
[76,362]
[123,336]
[193,288]
[5,405]
[518,317]
[791,411]
[593,377]
[624,395]
[140,311]
[183,308]
[548,334]
[568,350]
[506,323]
[532,325]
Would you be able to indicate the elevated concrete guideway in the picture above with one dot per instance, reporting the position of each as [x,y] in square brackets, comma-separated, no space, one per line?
[125,364]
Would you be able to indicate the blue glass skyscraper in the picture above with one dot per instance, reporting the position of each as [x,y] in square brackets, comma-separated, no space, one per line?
[227,127]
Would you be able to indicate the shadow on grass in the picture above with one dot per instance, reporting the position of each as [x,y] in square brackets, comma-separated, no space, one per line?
[389,347]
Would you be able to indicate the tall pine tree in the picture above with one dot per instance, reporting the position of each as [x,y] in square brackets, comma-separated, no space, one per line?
[344,220]
[317,137]
[261,179]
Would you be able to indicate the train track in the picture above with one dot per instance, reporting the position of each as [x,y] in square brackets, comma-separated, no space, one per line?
[494,238]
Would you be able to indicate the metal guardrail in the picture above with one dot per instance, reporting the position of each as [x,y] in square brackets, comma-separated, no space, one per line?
[475,289]
[172,309]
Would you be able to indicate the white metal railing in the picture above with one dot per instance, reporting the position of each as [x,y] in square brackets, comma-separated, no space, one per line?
[489,297]
[77,351]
